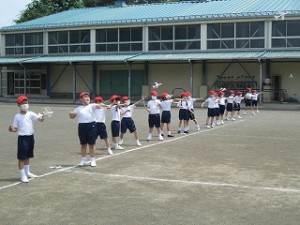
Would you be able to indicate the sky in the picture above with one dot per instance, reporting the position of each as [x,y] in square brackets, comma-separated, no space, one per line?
[10,11]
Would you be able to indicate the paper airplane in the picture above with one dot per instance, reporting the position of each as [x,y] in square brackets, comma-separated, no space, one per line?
[156,85]
[280,15]
[291,75]
[223,89]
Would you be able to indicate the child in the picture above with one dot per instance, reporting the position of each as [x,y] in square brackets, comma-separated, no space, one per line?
[115,121]
[222,102]
[229,106]
[191,108]
[87,131]
[24,124]
[153,108]
[211,100]
[248,104]
[183,105]
[254,99]
[237,106]
[127,121]
[100,115]
[166,112]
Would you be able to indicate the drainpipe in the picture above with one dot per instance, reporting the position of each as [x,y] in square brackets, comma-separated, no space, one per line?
[129,78]
[191,62]
[260,79]
[74,81]
[25,79]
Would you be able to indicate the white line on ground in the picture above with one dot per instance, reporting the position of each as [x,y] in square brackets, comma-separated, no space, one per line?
[202,183]
[126,151]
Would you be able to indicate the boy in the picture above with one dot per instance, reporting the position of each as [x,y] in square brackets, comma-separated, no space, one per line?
[100,115]
[183,114]
[248,104]
[115,121]
[254,99]
[211,112]
[229,106]
[87,131]
[166,112]
[23,124]
[222,103]
[237,106]
[153,108]
[191,108]
[127,121]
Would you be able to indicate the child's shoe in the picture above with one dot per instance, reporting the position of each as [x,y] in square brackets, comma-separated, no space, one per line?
[81,163]
[121,141]
[24,179]
[93,163]
[110,152]
[138,143]
[31,175]
[149,137]
[160,138]
[232,118]
[119,147]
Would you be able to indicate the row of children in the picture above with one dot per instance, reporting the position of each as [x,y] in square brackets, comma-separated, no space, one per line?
[91,121]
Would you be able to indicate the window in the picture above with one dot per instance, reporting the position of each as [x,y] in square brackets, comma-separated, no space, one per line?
[119,40]
[183,37]
[286,34]
[33,83]
[69,41]
[24,44]
[235,35]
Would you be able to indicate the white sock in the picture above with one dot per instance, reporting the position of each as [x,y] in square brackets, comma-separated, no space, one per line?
[22,173]
[169,132]
[83,158]
[92,158]
[26,169]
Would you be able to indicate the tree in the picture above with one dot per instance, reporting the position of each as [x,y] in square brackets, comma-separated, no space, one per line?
[40,8]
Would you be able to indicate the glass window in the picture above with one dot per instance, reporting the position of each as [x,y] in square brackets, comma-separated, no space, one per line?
[167,33]
[112,35]
[227,30]
[293,28]
[279,29]
[213,31]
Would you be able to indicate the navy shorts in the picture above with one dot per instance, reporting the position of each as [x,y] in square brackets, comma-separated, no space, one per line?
[229,107]
[115,128]
[237,107]
[154,120]
[183,114]
[87,133]
[25,147]
[211,112]
[222,109]
[127,123]
[191,114]
[166,117]
[254,102]
[248,102]
[217,111]
[101,131]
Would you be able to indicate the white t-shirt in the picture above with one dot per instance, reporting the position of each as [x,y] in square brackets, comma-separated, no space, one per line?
[248,95]
[191,102]
[24,122]
[129,112]
[166,105]
[254,96]
[222,100]
[183,104]
[238,99]
[211,102]
[230,99]
[153,105]
[100,115]
[86,113]
[115,113]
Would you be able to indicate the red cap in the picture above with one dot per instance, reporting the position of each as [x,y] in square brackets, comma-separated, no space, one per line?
[231,91]
[253,90]
[164,95]
[154,93]
[239,93]
[248,89]
[124,98]
[21,99]
[114,97]
[212,92]
[83,94]
[188,93]
[183,94]
[98,99]
[221,93]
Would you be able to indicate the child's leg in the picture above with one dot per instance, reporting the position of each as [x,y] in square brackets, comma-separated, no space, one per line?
[83,150]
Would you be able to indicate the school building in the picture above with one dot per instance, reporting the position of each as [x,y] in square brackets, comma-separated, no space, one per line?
[123,49]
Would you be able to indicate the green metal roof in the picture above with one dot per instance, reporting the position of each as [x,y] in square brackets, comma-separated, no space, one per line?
[158,57]
[163,13]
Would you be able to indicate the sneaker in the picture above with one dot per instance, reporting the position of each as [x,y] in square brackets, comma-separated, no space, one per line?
[160,138]
[198,128]
[207,126]
[170,135]
[226,118]
[212,126]
[31,175]
[138,143]
[110,152]
[93,163]
[186,132]
[121,141]
[81,163]
[119,147]
[253,113]
[232,118]
[239,117]
[24,179]
[162,135]
[149,137]
[222,122]
[257,111]
[112,145]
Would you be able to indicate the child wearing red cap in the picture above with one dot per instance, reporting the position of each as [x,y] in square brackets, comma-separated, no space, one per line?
[153,108]
[100,116]
[24,124]
[166,105]
[115,121]
[237,105]
[222,103]
[211,112]
[191,112]
[127,122]
[248,104]
[254,99]
[229,106]
[183,115]
[87,130]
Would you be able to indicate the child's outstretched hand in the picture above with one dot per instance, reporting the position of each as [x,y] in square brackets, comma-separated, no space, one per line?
[11,129]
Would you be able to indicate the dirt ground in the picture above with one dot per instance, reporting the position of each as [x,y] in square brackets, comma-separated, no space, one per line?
[244,172]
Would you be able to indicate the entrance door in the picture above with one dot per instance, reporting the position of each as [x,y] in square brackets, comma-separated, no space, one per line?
[276,85]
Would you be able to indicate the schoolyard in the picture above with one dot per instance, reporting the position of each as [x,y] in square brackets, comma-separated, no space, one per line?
[244,172]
